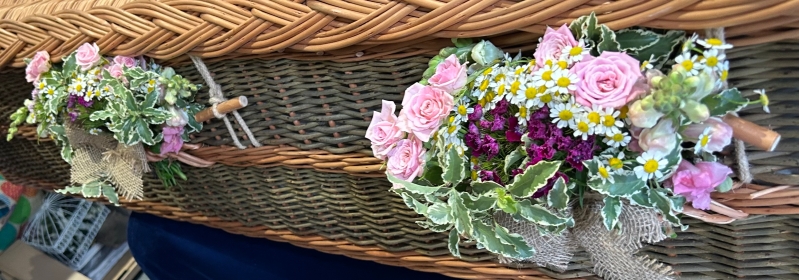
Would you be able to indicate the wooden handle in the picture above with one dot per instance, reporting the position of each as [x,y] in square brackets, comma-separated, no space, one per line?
[223,108]
[752,133]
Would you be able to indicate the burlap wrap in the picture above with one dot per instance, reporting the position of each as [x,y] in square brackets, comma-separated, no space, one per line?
[612,253]
[103,158]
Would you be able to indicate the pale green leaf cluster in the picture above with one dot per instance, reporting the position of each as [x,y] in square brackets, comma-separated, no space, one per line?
[93,189]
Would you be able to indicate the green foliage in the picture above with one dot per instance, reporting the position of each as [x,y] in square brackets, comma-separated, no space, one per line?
[645,44]
[93,189]
[729,100]
[169,172]
[533,178]
[610,211]
[725,186]
[558,196]
[516,155]
[455,171]
[17,118]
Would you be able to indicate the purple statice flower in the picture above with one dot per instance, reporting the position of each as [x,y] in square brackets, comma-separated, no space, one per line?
[550,183]
[516,172]
[486,175]
[513,134]
[75,99]
[73,115]
[536,129]
[535,153]
[485,124]
[490,146]
[34,94]
[541,114]
[498,123]
[477,114]
[71,100]
[173,140]
[501,108]
[472,138]
[581,151]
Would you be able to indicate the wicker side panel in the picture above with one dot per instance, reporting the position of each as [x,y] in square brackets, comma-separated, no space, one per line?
[27,163]
[310,105]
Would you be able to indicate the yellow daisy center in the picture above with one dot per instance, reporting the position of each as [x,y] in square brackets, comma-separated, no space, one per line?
[594,117]
[523,112]
[547,75]
[484,84]
[514,87]
[714,42]
[603,172]
[41,85]
[79,87]
[712,61]
[576,51]
[150,89]
[618,137]
[724,74]
[462,110]
[474,175]
[644,64]
[530,93]
[501,89]
[583,127]
[519,71]
[687,64]
[487,71]
[565,115]
[499,77]
[50,91]
[563,64]
[564,82]
[151,83]
[609,121]
[452,129]
[705,139]
[548,63]
[651,166]
[546,98]
[616,163]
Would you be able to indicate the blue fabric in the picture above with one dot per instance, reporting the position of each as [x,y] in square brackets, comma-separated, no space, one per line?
[171,250]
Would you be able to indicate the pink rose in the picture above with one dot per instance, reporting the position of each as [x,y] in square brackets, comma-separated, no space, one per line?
[450,75]
[383,130]
[173,140]
[608,80]
[661,138]
[552,45]
[406,159]
[720,133]
[116,71]
[696,183]
[424,107]
[87,56]
[38,65]
[126,61]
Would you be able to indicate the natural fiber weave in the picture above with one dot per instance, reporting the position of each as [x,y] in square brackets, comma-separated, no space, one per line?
[338,30]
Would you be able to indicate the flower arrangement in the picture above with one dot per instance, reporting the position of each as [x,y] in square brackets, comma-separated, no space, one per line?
[134,102]
[627,118]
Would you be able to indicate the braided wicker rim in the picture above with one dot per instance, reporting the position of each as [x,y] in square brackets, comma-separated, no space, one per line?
[350,30]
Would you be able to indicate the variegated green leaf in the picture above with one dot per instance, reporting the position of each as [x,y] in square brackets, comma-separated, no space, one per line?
[725,186]
[533,178]
[145,133]
[156,116]
[439,213]
[512,159]
[641,199]
[454,172]
[486,236]
[662,49]
[729,100]
[540,215]
[663,204]
[480,203]
[634,39]
[454,239]
[463,222]
[415,188]
[624,185]
[111,194]
[91,190]
[611,211]
[70,190]
[100,115]
[484,187]
[414,204]
[558,196]
[506,202]
[608,42]
[70,65]
[520,247]
[434,227]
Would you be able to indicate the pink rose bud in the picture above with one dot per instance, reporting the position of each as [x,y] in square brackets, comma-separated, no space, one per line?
[116,71]
[126,61]
[450,75]
[406,159]
[383,131]
[609,80]
[423,110]
[696,183]
[87,56]
[552,45]
[720,133]
[661,138]
[39,64]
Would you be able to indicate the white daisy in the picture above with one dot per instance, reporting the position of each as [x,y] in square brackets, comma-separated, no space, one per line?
[449,133]
[618,139]
[724,70]
[648,64]
[482,83]
[574,54]
[565,114]
[704,139]
[604,173]
[689,43]
[714,43]
[583,127]
[712,59]
[690,63]
[763,99]
[531,96]
[515,93]
[652,165]
[543,77]
[48,91]
[50,119]
[565,81]
[95,131]
[462,110]
[611,123]
[522,115]
[521,69]
[42,84]
[614,160]
[594,116]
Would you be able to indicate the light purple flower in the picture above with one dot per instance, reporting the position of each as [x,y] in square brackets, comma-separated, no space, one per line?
[172,140]
[477,114]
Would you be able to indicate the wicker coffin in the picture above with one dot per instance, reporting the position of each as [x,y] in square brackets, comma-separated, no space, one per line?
[313,72]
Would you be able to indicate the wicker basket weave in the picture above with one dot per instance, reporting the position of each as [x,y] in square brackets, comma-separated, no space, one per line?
[314,182]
